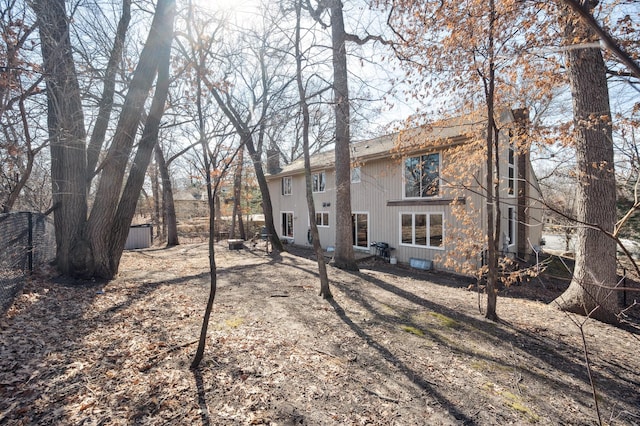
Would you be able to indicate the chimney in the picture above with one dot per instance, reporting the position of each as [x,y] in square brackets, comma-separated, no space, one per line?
[273,161]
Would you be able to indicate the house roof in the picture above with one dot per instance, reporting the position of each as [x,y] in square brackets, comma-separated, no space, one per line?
[443,134]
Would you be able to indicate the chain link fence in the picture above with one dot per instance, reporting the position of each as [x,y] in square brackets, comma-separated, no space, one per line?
[27,241]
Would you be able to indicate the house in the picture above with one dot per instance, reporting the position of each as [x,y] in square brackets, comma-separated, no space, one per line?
[421,192]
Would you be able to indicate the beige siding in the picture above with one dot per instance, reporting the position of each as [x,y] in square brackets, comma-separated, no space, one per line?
[380,196]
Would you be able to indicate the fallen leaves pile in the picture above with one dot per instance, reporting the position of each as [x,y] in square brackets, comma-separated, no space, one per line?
[386,350]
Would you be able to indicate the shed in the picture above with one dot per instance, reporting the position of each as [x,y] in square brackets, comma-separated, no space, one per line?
[140,236]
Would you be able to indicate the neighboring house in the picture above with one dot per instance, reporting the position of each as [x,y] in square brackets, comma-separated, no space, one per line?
[400,195]
[190,203]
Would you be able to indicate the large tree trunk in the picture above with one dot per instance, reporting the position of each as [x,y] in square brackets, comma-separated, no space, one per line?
[103,213]
[106,102]
[344,257]
[595,270]
[67,135]
[130,194]
[170,219]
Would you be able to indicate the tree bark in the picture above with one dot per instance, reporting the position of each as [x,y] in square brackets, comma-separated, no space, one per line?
[106,101]
[344,256]
[594,274]
[103,213]
[65,120]
[169,212]
[325,291]
[130,194]
[237,194]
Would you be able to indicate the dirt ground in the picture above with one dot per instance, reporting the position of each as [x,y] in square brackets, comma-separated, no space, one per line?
[394,347]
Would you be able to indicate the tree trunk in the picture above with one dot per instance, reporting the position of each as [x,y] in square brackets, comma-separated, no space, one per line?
[325,291]
[344,256]
[213,274]
[267,207]
[594,274]
[103,213]
[170,219]
[130,194]
[493,188]
[237,193]
[156,199]
[106,102]
[65,120]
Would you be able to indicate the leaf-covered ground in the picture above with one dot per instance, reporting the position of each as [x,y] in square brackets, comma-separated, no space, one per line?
[390,349]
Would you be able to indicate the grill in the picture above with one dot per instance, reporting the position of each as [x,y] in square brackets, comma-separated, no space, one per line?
[383,250]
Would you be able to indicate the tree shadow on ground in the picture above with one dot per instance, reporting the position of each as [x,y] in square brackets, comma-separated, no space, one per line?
[551,352]
[404,369]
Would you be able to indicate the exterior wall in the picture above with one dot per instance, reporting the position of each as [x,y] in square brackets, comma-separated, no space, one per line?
[380,196]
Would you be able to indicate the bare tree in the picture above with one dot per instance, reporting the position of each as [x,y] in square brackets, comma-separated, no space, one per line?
[325,291]
[92,247]
[591,289]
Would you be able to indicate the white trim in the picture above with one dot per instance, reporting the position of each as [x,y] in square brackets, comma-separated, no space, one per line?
[428,226]
[322,225]
[511,167]
[356,247]
[290,187]
[511,225]
[324,182]
[359,174]
[282,233]
[404,181]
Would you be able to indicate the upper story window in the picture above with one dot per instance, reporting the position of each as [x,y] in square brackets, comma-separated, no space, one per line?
[286,185]
[511,180]
[422,176]
[322,218]
[355,175]
[318,181]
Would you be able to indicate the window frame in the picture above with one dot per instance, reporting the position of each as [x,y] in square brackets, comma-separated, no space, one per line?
[354,221]
[428,237]
[322,224]
[318,182]
[511,171]
[421,190]
[511,225]
[283,232]
[288,186]
[358,175]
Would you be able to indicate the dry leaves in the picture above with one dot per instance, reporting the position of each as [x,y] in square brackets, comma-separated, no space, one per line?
[388,350]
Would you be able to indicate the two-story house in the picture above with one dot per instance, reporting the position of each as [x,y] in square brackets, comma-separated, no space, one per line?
[420,191]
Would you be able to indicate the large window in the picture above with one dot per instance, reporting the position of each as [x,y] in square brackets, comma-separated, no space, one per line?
[511,180]
[286,185]
[318,181]
[422,176]
[287,224]
[511,232]
[322,218]
[360,235]
[422,229]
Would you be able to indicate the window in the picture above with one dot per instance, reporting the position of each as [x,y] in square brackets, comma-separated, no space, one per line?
[422,176]
[355,175]
[360,236]
[511,226]
[287,224]
[318,182]
[286,185]
[511,181]
[322,218]
[422,229]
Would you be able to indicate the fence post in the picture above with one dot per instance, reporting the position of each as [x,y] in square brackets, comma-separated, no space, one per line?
[30,242]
